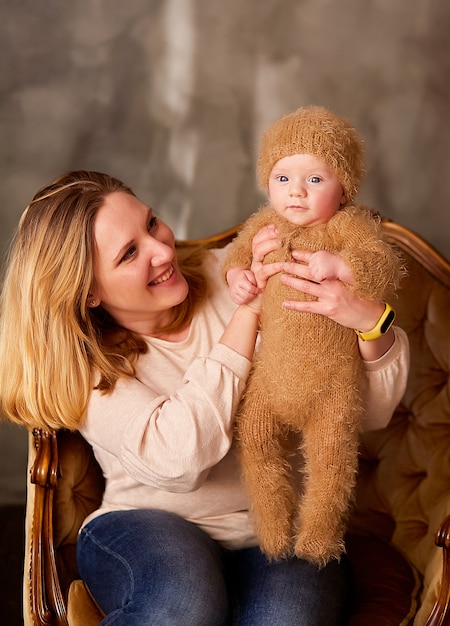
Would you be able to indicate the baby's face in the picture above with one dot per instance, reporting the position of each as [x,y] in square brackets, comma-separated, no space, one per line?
[305,190]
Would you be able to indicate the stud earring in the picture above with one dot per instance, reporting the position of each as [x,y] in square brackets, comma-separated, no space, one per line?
[93,302]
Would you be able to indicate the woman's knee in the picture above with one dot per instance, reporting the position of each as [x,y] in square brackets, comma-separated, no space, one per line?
[153,563]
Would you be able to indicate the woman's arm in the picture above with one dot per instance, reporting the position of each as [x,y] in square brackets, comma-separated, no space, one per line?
[169,433]
[240,334]
[387,379]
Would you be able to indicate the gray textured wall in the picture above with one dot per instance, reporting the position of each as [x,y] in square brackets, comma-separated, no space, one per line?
[171,96]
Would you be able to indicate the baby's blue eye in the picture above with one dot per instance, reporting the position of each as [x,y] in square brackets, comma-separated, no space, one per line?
[283,179]
[314,179]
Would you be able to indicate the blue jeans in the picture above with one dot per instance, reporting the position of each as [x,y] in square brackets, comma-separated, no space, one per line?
[153,567]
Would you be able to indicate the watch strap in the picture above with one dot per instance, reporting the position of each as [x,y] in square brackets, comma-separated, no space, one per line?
[382,326]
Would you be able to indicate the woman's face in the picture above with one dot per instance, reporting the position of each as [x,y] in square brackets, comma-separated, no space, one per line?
[136,274]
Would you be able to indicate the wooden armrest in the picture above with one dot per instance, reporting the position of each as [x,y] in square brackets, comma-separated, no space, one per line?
[213,241]
[440,615]
[422,251]
[47,600]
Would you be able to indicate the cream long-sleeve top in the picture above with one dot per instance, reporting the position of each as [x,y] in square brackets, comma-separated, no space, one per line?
[164,439]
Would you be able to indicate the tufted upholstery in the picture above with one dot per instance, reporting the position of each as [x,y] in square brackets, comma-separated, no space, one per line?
[403,491]
[404,484]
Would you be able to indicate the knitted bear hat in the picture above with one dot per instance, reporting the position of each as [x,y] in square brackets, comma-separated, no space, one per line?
[317,131]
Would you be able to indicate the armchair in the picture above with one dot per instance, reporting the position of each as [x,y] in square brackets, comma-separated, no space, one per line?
[399,534]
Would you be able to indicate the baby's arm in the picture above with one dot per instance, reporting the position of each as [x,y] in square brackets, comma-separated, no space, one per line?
[377,266]
[242,285]
[324,265]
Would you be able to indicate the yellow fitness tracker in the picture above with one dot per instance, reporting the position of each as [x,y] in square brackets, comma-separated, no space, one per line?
[381,327]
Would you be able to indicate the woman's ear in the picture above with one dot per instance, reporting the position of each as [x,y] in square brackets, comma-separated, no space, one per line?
[92,301]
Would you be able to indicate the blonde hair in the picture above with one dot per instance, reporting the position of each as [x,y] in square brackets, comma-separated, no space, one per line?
[52,344]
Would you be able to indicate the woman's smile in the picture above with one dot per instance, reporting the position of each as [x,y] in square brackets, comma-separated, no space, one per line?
[163,277]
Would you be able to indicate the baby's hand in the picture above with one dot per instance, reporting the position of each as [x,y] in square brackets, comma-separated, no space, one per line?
[242,285]
[323,265]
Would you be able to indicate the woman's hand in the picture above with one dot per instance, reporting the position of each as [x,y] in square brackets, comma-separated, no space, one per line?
[246,284]
[336,301]
[264,242]
[240,334]
[262,275]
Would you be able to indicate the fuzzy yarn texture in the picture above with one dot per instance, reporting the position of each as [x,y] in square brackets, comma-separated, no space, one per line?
[314,130]
[307,377]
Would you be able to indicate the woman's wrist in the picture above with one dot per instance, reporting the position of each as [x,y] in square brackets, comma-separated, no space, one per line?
[240,334]
[370,314]
[381,326]
[377,339]
[252,306]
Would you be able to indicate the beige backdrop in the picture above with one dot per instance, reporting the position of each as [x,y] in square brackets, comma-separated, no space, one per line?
[171,96]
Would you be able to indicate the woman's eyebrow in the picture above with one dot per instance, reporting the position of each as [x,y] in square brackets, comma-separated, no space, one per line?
[122,250]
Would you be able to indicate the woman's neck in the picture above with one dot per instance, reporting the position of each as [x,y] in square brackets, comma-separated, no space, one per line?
[175,336]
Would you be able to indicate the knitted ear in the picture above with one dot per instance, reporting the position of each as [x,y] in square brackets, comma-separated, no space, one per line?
[314,130]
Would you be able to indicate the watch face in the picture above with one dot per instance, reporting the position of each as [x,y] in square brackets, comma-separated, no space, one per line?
[385,326]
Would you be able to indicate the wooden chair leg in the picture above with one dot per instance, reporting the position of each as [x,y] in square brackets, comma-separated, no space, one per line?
[48,605]
[440,615]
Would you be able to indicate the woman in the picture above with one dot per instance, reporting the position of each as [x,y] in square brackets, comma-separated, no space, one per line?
[106,331]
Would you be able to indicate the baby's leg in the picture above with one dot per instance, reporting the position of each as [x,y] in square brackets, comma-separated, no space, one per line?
[330,448]
[266,473]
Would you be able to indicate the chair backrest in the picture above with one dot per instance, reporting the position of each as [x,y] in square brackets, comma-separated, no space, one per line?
[405,468]
[404,479]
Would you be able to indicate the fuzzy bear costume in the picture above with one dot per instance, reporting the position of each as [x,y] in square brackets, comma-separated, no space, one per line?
[307,375]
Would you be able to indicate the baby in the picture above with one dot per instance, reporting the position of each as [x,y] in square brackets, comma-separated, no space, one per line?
[307,375]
